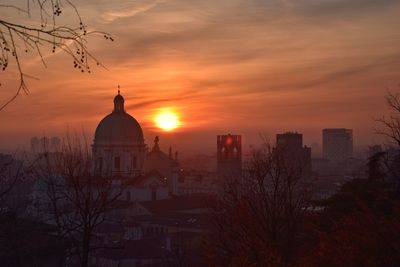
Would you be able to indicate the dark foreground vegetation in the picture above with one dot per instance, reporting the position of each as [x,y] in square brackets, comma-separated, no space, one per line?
[358,226]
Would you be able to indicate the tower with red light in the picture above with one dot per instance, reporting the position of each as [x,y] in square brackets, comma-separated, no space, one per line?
[229,157]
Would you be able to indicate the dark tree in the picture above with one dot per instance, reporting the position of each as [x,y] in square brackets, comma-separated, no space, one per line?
[11,171]
[73,197]
[357,227]
[259,217]
[375,166]
[390,128]
[391,124]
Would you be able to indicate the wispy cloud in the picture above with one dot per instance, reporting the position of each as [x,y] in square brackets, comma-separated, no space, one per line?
[229,65]
[130,11]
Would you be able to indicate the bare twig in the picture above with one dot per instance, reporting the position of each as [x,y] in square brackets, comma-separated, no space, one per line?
[16,38]
[391,124]
[75,198]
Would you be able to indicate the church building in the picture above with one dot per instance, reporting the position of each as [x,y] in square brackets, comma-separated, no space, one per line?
[119,151]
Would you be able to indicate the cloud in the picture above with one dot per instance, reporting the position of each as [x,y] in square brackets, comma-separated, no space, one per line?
[339,8]
[229,64]
[130,11]
[152,102]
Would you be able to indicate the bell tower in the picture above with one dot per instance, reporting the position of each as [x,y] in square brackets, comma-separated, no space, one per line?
[119,103]
[229,157]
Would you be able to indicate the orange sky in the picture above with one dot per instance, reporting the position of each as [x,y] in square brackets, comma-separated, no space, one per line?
[239,66]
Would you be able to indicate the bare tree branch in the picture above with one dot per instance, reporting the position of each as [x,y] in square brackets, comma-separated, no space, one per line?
[391,124]
[74,197]
[17,38]
[259,215]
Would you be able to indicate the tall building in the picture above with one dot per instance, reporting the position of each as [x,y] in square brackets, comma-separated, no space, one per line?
[337,144]
[295,154]
[229,156]
[291,141]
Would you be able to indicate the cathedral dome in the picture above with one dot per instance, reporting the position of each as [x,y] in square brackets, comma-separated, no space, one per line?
[119,127]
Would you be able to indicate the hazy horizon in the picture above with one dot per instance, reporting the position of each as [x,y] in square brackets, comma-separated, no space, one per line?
[230,66]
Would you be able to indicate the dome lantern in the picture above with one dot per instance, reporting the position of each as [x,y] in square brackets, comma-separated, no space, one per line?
[119,103]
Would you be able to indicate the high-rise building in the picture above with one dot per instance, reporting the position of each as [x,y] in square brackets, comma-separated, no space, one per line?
[229,156]
[291,141]
[337,144]
[295,154]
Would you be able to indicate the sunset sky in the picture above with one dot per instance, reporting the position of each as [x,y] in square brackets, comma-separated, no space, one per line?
[247,67]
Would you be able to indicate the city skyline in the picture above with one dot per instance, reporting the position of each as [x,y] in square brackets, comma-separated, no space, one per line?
[289,66]
[199,133]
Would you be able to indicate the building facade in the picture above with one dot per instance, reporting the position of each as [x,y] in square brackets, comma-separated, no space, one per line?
[118,148]
[229,157]
[337,144]
[119,151]
[166,165]
[297,156]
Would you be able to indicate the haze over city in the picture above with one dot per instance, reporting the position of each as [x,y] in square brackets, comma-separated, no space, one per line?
[192,133]
[246,67]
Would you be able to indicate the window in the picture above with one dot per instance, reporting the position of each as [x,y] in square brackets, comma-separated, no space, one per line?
[100,164]
[224,152]
[134,162]
[117,163]
[235,152]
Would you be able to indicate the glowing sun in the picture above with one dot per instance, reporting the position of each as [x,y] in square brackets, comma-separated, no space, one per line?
[167,120]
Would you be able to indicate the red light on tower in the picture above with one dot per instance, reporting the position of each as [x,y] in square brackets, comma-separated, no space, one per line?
[229,140]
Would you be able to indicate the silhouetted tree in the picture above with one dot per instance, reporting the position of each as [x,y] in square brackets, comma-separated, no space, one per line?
[35,27]
[74,198]
[390,128]
[375,166]
[357,227]
[11,171]
[391,124]
[23,241]
[259,217]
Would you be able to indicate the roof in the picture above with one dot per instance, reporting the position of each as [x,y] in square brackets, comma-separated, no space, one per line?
[179,203]
[158,160]
[147,179]
[109,228]
[118,127]
[137,249]
[34,239]
[181,220]
[131,224]
[158,154]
